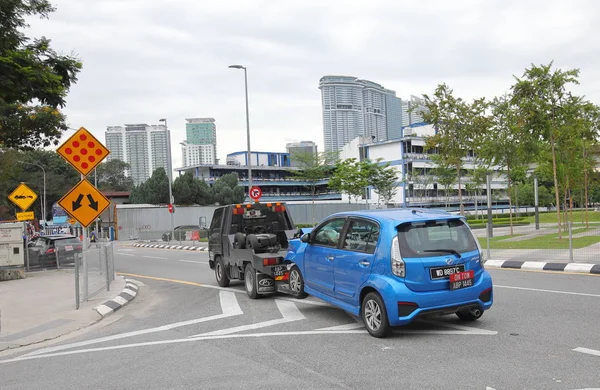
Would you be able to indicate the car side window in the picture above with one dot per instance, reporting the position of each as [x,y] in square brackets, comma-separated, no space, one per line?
[329,233]
[216,220]
[361,236]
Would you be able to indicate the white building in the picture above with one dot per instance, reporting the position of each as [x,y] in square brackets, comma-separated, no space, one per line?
[142,146]
[197,154]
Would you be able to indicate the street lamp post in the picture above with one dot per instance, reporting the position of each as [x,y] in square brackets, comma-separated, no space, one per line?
[44,195]
[247,125]
[169,175]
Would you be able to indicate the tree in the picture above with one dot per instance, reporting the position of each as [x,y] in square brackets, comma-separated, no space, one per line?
[186,189]
[348,178]
[155,190]
[541,97]
[457,125]
[111,176]
[34,80]
[227,191]
[446,176]
[384,182]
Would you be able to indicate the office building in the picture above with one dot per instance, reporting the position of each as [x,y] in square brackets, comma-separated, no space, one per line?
[412,111]
[200,131]
[142,146]
[353,107]
[197,154]
[302,147]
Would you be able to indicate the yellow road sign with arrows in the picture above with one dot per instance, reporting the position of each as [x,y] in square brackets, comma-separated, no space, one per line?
[84,203]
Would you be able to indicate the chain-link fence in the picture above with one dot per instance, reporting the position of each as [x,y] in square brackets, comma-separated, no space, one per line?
[577,242]
[94,270]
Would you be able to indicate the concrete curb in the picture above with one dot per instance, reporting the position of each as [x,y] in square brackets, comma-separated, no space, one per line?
[581,268]
[178,247]
[126,296]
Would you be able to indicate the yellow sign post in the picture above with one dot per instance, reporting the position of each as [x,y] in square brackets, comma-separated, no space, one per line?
[84,203]
[83,151]
[25,216]
[23,196]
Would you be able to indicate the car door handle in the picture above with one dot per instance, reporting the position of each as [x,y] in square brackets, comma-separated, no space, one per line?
[364,263]
[330,258]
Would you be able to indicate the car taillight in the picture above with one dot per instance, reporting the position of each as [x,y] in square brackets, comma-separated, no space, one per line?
[50,251]
[238,209]
[279,209]
[270,261]
[398,266]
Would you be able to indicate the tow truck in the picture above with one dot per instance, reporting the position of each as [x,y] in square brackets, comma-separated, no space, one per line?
[249,242]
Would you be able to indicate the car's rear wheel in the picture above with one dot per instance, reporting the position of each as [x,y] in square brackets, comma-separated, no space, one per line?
[296,283]
[472,314]
[221,273]
[250,281]
[374,315]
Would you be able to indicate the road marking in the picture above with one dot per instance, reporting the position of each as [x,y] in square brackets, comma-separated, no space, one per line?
[356,325]
[229,306]
[549,291]
[124,254]
[289,313]
[543,272]
[156,257]
[194,261]
[587,351]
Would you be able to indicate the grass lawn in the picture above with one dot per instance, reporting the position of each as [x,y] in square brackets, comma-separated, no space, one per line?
[578,216]
[549,241]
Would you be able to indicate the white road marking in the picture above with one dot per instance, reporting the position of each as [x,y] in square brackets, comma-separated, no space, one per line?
[494,263]
[534,265]
[549,291]
[356,325]
[124,254]
[156,257]
[193,261]
[587,351]
[229,305]
[289,313]
[126,249]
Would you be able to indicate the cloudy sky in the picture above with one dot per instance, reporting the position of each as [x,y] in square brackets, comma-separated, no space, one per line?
[148,59]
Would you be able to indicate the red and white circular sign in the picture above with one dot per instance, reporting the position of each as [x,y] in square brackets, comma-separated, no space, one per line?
[255,193]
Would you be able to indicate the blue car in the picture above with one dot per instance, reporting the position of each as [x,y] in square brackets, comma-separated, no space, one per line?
[392,266]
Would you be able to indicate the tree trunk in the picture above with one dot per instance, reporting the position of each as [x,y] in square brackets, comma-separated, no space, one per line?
[510,220]
[585,186]
[460,201]
[313,188]
[557,195]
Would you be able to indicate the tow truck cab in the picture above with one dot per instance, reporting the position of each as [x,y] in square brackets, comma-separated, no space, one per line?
[249,242]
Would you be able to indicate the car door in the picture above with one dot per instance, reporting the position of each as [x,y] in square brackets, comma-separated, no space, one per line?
[354,262]
[319,255]
[216,225]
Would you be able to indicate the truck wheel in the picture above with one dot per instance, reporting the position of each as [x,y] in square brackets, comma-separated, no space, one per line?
[297,283]
[252,242]
[374,315]
[239,241]
[221,273]
[250,281]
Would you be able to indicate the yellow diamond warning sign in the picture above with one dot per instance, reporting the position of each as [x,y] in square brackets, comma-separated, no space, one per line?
[23,196]
[83,151]
[84,203]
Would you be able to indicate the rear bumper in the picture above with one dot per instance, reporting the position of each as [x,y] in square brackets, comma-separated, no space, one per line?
[404,305]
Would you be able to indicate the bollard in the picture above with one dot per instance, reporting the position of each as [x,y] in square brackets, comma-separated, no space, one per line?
[488,243]
[77,256]
[570,225]
[107,268]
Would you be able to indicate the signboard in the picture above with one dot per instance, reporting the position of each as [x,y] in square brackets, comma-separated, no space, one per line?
[84,203]
[23,196]
[255,193]
[25,216]
[83,151]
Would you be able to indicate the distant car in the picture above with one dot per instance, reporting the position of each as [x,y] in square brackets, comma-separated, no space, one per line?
[45,250]
[392,266]
[181,232]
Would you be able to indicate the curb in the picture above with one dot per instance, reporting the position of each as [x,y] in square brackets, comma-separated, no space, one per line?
[126,296]
[179,247]
[581,268]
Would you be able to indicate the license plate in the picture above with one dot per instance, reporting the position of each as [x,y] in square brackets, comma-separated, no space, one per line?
[445,272]
[461,280]
[68,247]
[279,270]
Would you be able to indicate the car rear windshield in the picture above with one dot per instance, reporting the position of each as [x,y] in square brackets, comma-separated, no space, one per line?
[435,238]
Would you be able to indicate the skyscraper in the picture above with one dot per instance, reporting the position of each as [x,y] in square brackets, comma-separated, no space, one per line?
[142,146]
[353,107]
[300,147]
[200,131]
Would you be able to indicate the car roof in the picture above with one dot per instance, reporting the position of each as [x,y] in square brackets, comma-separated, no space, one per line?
[399,214]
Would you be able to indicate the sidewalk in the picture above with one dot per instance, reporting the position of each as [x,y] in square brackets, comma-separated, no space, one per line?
[42,307]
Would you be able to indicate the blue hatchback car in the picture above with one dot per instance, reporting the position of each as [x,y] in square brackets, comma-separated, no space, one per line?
[391,266]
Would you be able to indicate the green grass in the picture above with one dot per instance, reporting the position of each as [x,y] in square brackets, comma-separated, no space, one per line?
[548,241]
[578,217]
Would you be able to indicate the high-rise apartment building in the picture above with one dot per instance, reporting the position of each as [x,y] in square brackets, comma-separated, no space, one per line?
[300,147]
[142,146]
[200,131]
[412,111]
[353,107]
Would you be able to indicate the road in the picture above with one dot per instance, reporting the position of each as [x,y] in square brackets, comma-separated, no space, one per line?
[185,332]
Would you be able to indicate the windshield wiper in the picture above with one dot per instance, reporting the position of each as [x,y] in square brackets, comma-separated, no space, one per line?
[444,250]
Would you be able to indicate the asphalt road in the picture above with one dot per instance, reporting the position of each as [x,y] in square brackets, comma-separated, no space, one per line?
[182,331]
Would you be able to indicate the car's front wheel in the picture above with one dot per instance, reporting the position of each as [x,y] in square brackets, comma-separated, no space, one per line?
[296,283]
[472,314]
[374,315]
[221,273]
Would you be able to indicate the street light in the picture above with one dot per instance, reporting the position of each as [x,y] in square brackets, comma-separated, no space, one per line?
[247,125]
[169,173]
[44,196]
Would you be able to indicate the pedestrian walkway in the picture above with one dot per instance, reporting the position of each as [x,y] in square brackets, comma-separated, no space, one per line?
[42,307]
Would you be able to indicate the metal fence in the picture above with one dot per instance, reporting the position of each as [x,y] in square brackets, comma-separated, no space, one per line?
[94,271]
[578,243]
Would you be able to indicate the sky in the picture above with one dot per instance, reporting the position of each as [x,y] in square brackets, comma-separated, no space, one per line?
[149,59]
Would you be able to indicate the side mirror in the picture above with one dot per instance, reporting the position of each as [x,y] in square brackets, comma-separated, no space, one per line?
[305,237]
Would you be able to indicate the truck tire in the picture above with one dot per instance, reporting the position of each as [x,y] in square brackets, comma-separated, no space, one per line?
[252,242]
[239,241]
[296,283]
[221,273]
[250,281]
